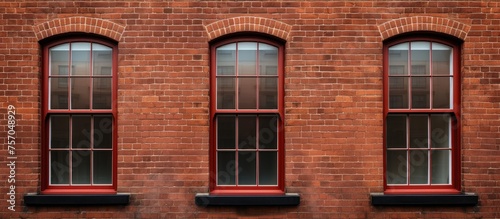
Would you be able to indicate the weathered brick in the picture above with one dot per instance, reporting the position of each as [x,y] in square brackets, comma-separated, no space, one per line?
[333,99]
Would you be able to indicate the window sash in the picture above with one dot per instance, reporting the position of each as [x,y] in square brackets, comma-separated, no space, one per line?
[81,159]
[438,168]
[262,95]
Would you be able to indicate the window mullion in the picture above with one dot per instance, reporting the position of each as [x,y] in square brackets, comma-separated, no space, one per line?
[429,149]
[91,150]
[257,153]
[408,149]
[70,151]
[236,150]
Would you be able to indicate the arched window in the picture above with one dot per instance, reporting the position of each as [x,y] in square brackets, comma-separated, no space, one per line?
[422,115]
[246,148]
[79,116]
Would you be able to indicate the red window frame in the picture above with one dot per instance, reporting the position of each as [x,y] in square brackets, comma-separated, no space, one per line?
[214,112]
[454,185]
[47,112]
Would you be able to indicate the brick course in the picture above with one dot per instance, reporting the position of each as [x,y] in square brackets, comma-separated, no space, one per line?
[333,99]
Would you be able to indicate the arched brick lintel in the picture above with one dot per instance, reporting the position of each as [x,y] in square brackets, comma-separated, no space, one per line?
[79,24]
[248,23]
[423,23]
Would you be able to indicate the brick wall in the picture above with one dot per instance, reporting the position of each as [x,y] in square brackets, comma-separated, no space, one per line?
[333,99]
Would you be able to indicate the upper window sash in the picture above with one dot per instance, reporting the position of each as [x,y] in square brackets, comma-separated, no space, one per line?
[80,76]
[420,76]
[247,76]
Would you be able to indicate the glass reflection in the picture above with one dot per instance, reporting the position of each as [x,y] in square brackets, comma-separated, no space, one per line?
[268,168]
[226,168]
[396,131]
[419,166]
[247,132]
[268,93]
[396,167]
[247,97]
[59,132]
[102,167]
[247,57]
[80,58]
[101,60]
[268,59]
[101,95]
[247,168]
[80,93]
[80,168]
[226,134]
[226,59]
[226,91]
[59,167]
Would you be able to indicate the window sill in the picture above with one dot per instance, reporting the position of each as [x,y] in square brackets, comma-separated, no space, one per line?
[464,199]
[287,199]
[34,199]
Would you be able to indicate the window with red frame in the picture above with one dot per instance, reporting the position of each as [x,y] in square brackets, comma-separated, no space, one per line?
[422,116]
[247,116]
[79,116]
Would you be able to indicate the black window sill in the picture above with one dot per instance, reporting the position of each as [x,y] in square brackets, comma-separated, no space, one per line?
[466,199]
[288,199]
[46,200]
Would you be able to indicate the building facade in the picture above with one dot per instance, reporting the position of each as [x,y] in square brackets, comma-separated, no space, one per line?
[271,109]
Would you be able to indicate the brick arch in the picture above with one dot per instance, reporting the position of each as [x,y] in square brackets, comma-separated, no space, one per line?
[248,23]
[79,24]
[423,23]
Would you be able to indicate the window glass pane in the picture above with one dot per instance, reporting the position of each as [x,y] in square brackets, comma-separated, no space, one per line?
[226,168]
[268,59]
[440,167]
[59,167]
[420,92]
[80,58]
[420,60]
[59,60]
[101,95]
[102,59]
[81,131]
[268,168]
[102,167]
[247,56]
[247,131]
[80,93]
[441,59]
[103,132]
[58,93]
[268,93]
[396,131]
[268,136]
[398,92]
[59,132]
[226,59]
[396,167]
[247,168]
[80,168]
[398,59]
[418,131]
[226,90]
[419,167]
[440,131]
[247,89]
[441,92]
[226,134]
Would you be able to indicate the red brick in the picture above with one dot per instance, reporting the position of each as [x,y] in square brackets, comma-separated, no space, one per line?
[333,99]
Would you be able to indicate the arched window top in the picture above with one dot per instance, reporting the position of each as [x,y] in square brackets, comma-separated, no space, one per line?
[243,24]
[247,115]
[422,114]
